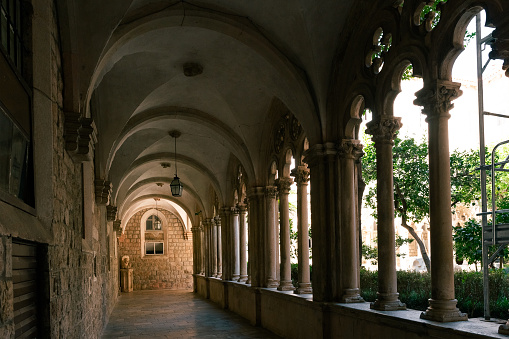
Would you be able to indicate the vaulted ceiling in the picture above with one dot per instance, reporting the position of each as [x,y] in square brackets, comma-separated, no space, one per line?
[126,60]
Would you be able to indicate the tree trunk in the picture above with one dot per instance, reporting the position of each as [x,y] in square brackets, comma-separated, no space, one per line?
[422,248]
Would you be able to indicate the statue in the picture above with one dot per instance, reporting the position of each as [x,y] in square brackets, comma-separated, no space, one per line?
[125,262]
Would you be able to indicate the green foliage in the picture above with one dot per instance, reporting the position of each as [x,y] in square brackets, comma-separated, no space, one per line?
[371,252]
[415,289]
[295,273]
[467,242]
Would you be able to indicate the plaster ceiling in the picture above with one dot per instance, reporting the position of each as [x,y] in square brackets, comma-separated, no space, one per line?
[131,81]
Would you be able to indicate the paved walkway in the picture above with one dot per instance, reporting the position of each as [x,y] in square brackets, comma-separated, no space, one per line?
[175,314]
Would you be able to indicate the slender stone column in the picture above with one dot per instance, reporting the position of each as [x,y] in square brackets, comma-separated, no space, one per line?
[301,174]
[283,185]
[217,219]
[208,266]
[271,238]
[196,249]
[384,131]
[242,208]
[213,246]
[235,245]
[436,100]
[202,249]
[350,150]
[225,236]
[257,243]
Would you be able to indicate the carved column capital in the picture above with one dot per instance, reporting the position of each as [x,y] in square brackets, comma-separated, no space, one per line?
[301,175]
[500,46]
[102,191]
[384,129]
[235,210]
[218,220]
[242,208]
[350,149]
[284,184]
[436,99]
[117,227]
[111,212]
[271,192]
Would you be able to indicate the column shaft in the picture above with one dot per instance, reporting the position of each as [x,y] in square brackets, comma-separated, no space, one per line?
[213,241]
[235,245]
[284,185]
[271,238]
[225,237]
[242,242]
[384,131]
[219,248]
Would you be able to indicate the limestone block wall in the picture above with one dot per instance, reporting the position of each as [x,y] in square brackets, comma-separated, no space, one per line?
[77,278]
[173,269]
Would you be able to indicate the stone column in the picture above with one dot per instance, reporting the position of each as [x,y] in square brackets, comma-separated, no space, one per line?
[436,99]
[213,246]
[257,243]
[283,185]
[235,245]
[217,219]
[350,151]
[242,208]
[271,238]
[196,248]
[208,267]
[225,236]
[301,174]
[384,131]
[202,250]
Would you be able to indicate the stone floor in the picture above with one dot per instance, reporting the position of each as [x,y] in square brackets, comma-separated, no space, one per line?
[175,314]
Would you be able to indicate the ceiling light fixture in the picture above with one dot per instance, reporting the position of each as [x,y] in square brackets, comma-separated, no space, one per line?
[176,186]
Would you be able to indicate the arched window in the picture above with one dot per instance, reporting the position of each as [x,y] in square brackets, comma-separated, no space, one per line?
[153,223]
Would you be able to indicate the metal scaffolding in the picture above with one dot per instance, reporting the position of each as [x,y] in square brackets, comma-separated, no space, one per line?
[492,233]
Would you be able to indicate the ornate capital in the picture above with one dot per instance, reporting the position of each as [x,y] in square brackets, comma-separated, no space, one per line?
[271,192]
[117,226]
[111,212]
[437,98]
[284,184]
[102,191]
[235,210]
[350,149]
[242,208]
[218,220]
[301,174]
[500,46]
[384,128]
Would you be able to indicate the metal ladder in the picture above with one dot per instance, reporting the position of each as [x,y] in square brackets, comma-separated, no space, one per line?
[499,233]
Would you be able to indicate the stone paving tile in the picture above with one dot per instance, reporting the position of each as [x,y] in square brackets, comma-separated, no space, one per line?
[175,314]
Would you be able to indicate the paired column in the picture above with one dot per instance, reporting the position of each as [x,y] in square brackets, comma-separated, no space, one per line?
[208,263]
[213,246]
[436,99]
[225,237]
[384,131]
[257,243]
[202,249]
[242,208]
[283,185]
[350,151]
[301,174]
[235,245]
[217,219]
[271,238]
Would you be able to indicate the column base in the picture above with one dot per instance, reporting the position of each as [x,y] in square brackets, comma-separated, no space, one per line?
[235,277]
[443,311]
[304,288]
[243,278]
[285,286]
[248,281]
[504,329]
[272,283]
[219,276]
[351,295]
[387,302]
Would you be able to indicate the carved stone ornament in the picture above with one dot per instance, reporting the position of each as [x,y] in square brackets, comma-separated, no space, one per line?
[301,175]
[279,137]
[125,262]
[384,128]
[350,148]
[80,136]
[217,218]
[284,185]
[436,99]
[500,47]
[111,212]
[271,192]
[102,191]
[242,208]
[296,128]
[235,210]
[117,226]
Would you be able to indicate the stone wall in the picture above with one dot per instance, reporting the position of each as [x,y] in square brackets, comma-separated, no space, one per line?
[77,279]
[171,270]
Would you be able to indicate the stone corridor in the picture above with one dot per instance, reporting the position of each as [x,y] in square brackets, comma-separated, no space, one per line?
[175,314]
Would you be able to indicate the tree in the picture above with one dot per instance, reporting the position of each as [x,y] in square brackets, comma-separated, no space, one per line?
[371,252]
[411,182]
